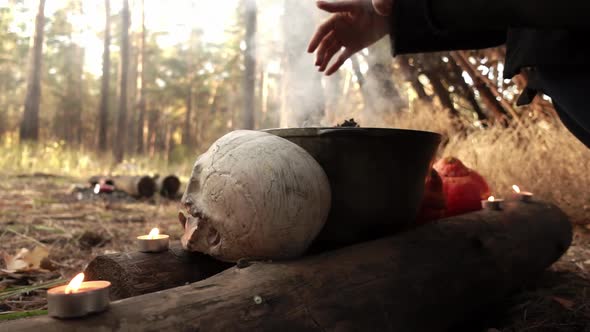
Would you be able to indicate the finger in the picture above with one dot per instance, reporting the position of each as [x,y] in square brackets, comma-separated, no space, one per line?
[339,61]
[383,7]
[341,5]
[329,55]
[320,33]
[325,44]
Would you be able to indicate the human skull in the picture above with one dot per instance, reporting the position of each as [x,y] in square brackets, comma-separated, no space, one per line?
[254,195]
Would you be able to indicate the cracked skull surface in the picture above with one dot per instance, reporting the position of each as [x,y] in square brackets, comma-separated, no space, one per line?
[254,195]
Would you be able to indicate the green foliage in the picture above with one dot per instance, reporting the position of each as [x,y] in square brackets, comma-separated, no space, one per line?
[21,314]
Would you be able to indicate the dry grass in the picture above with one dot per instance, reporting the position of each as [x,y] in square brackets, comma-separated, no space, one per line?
[539,156]
[57,158]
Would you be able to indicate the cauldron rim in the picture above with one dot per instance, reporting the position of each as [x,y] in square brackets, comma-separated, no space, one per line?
[356,131]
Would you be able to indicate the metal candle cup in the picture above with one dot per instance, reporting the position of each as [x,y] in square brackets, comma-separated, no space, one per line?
[154,242]
[524,196]
[91,297]
[492,204]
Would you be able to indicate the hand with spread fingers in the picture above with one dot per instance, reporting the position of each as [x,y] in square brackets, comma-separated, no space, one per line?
[354,25]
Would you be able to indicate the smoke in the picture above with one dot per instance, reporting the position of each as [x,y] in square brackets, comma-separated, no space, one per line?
[308,98]
[303,99]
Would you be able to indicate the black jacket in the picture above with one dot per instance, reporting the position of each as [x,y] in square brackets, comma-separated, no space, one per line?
[536,32]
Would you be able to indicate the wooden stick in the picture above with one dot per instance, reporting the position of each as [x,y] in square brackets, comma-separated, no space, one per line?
[133,274]
[427,279]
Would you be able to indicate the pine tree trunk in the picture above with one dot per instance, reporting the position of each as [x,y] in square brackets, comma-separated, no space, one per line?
[153,118]
[186,132]
[103,110]
[411,74]
[486,95]
[77,104]
[132,94]
[250,65]
[29,128]
[119,148]
[436,80]
[141,84]
[464,89]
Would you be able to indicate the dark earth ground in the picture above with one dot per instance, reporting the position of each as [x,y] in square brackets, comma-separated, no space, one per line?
[75,225]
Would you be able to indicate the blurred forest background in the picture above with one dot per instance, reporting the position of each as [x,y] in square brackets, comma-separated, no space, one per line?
[136,85]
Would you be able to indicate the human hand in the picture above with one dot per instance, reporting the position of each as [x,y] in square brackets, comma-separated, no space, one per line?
[354,25]
[383,7]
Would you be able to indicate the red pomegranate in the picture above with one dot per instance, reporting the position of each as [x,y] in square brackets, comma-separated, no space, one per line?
[464,188]
[433,204]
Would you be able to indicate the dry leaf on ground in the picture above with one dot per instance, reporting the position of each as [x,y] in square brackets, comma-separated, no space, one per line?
[25,260]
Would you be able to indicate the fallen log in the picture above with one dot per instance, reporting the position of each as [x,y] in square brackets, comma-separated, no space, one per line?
[99,179]
[426,279]
[136,186]
[168,186]
[137,273]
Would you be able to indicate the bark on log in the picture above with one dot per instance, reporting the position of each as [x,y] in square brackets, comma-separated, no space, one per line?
[133,274]
[426,279]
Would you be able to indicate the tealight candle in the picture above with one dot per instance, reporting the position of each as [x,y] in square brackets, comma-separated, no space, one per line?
[492,203]
[524,196]
[78,298]
[153,242]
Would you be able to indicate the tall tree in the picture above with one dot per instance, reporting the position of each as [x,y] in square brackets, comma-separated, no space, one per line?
[103,109]
[249,85]
[412,75]
[119,148]
[141,83]
[29,128]
[186,131]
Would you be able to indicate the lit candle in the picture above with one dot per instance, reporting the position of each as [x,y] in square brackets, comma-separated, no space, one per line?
[492,203]
[524,196]
[78,298]
[153,242]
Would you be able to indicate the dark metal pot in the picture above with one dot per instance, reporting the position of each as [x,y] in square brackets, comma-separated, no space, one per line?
[376,175]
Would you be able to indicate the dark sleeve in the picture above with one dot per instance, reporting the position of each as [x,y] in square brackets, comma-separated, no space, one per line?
[415,30]
[463,15]
[437,25]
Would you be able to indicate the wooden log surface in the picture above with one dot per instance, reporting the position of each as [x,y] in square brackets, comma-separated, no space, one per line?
[141,186]
[136,186]
[168,186]
[426,279]
[137,273]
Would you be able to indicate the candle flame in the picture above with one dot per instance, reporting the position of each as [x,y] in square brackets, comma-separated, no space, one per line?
[491,198]
[153,233]
[516,189]
[75,284]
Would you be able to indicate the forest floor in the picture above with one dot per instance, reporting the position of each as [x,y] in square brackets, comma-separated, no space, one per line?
[56,226]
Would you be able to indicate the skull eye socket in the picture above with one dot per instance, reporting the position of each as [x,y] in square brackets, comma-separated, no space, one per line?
[182,219]
[213,238]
